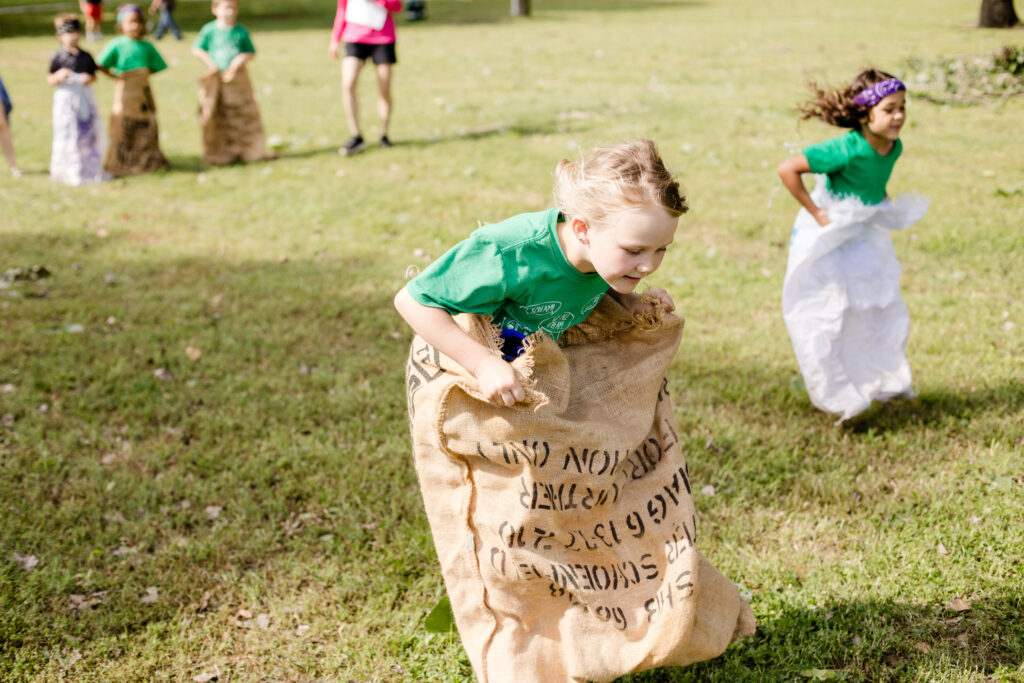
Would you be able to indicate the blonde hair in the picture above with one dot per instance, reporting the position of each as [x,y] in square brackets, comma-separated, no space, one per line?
[626,175]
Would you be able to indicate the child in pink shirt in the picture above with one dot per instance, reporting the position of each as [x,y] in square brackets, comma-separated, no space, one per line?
[368,30]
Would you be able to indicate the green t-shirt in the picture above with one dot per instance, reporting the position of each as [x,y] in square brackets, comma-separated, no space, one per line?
[514,271]
[223,44]
[124,54]
[853,166]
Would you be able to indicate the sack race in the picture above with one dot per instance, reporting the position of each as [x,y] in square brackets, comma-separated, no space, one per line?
[78,140]
[842,305]
[565,527]
[134,137]
[230,120]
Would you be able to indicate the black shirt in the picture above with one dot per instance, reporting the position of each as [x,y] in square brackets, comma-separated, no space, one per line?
[80,62]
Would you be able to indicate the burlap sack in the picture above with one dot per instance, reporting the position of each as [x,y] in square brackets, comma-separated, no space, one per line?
[134,137]
[229,119]
[565,527]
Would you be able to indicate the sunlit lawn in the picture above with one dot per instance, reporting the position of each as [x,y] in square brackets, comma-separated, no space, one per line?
[204,439]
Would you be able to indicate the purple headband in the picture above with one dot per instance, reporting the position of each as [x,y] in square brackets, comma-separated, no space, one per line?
[871,96]
[129,9]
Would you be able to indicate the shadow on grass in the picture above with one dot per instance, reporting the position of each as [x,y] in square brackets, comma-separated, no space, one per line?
[261,16]
[867,641]
[942,407]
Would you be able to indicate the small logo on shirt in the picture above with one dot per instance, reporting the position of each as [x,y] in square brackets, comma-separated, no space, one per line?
[557,324]
[546,308]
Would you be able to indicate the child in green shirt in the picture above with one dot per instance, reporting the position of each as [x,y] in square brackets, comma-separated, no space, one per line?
[134,136]
[841,299]
[616,215]
[229,117]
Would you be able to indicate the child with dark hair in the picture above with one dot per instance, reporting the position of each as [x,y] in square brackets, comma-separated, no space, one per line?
[77,156]
[134,137]
[841,298]
[6,143]
[368,31]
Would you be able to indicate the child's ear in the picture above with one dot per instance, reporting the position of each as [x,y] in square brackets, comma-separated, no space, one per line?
[580,229]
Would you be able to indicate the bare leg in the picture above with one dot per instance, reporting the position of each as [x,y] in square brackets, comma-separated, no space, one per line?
[384,99]
[350,67]
[8,145]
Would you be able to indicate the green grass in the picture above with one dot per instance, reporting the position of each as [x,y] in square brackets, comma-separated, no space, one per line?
[116,443]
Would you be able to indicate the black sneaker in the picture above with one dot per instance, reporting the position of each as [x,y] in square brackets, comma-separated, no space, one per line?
[354,145]
[384,142]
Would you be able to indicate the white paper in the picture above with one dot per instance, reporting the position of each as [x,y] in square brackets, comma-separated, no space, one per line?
[366,13]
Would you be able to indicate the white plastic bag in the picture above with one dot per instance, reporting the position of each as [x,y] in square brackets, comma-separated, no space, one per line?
[842,305]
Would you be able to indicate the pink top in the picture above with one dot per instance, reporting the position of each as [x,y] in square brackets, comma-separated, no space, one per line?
[354,33]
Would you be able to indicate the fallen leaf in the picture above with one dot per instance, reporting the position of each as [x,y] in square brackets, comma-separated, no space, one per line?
[152,595]
[8,389]
[204,677]
[822,674]
[108,459]
[708,491]
[193,353]
[959,605]
[26,562]
[302,629]
[263,621]
[163,374]
[924,647]
[963,638]
[213,512]
[244,614]
[123,550]
[81,602]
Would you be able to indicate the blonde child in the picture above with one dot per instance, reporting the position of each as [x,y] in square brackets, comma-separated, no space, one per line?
[502,455]
[6,143]
[228,114]
[841,296]
[77,156]
[616,215]
[134,136]
[368,31]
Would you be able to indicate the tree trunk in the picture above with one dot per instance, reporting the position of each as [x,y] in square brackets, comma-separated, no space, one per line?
[997,14]
[520,8]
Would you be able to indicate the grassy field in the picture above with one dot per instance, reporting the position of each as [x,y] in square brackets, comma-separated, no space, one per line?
[204,458]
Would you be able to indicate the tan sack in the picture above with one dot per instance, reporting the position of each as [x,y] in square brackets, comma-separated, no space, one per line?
[565,527]
[134,137]
[229,119]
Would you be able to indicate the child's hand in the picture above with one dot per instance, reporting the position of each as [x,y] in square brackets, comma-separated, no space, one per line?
[499,382]
[332,50]
[62,74]
[229,74]
[636,303]
[821,215]
[662,298]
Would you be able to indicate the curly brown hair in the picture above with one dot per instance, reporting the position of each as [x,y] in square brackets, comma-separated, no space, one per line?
[624,175]
[836,107]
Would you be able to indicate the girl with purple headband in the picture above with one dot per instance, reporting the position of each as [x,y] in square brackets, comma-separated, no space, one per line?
[841,298]
[134,137]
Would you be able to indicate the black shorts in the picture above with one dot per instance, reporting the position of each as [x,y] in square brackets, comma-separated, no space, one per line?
[382,54]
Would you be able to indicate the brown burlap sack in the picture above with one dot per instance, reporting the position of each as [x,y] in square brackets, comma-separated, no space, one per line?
[134,137]
[565,527]
[230,120]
